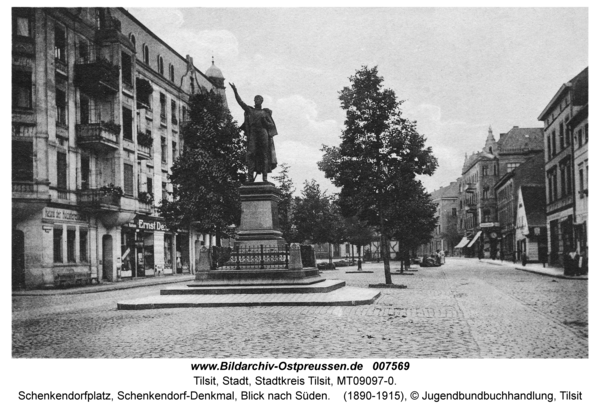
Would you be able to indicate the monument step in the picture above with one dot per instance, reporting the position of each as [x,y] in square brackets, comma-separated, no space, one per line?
[346,296]
[245,281]
[319,287]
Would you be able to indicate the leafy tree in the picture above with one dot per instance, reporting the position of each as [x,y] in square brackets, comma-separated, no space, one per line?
[286,204]
[207,175]
[312,214]
[358,233]
[379,156]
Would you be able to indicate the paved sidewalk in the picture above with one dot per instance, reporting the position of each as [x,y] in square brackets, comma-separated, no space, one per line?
[536,268]
[107,286]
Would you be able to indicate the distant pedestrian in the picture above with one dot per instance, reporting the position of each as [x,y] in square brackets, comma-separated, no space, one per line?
[480,254]
[514,256]
[544,257]
[571,263]
[501,255]
[524,259]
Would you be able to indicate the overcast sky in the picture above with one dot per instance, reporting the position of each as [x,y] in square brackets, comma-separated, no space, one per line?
[458,70]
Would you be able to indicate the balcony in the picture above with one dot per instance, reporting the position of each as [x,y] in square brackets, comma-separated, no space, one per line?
[144,152]
[470,188]
[99,199]
[99,78]
[100,136]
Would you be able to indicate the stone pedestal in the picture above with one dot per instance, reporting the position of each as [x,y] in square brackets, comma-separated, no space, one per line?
[260,218]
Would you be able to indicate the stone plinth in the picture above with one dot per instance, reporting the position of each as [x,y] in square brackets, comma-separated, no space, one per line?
[260,220]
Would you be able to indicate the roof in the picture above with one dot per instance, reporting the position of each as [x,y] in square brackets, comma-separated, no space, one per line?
[534,201]
[445,191]
[581,82]
[214,72]
[520,139]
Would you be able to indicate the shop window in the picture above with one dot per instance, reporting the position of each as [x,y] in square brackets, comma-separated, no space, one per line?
[61,170]
[60,42]
[21,22]
[57,243]
[22,161]
[128,179]
[61,107]
[21,90]
[127,124]
[71,245]
[168,253]
[83,245]
[126,68]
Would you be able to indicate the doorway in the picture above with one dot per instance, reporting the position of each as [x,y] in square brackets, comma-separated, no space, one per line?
[18,259]
[107,257]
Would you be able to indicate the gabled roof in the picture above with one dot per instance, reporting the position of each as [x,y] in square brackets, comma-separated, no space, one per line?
[534,201]
[580,92]
[521,139]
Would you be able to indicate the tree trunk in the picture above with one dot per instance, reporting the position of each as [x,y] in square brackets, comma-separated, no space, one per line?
[359,260]
[218,236]
[385,254]
[330,255]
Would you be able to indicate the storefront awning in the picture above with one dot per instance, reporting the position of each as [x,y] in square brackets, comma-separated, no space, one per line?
[474,239]
[462,243]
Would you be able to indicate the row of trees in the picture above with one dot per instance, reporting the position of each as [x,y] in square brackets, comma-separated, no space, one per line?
[375,166]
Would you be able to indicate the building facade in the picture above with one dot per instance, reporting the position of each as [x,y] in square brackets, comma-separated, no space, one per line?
[512,213]
[571,98]
[446,236]
[98,102]
[478,206]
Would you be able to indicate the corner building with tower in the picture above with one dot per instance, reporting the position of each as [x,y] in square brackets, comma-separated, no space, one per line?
[98,104]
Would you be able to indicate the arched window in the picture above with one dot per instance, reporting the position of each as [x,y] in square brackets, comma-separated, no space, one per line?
[160,65]
[171,72]
[133,40]
[145,54]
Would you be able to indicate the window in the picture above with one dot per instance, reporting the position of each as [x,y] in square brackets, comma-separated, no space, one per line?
[511,166]
[22,161]
[126,69]
[83,50]
[171,72]
[128,179]
[133,40]
[61,107]
[85,172]
[165,195]
[484,170]
[84,109]
[567,133]
[21,22]
[553,143]
[581,184]
[145,54]
[57,243]
[149,187]
[487,215]
[71,245]
[61,170]
[163,150]
[83,244]
[60,42]
[580,137]
[163,107]
[168,246]
[173,112]
[549,147]
[486,193]
[453,211]
[561,135]
[174,151]
[586,133]
[127,124]
[160,65]
[21,90]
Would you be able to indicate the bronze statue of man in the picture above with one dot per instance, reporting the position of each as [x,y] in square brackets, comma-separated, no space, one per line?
[260,129]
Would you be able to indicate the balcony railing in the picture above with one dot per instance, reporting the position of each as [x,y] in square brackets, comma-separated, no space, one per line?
[144,151]
[101,136]
[98,198]
[97,77]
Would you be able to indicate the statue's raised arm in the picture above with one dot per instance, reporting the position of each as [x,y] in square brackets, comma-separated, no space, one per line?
[238,98]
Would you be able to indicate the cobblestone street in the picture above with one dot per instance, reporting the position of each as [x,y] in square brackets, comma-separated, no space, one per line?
[464,309]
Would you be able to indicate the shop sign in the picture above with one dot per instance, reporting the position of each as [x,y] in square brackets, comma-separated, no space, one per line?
[150,225]
[489,224]
[63,215]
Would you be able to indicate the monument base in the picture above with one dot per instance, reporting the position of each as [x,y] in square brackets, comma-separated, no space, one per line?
[260,215]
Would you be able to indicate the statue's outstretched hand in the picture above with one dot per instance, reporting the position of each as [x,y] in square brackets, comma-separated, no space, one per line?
[232,86]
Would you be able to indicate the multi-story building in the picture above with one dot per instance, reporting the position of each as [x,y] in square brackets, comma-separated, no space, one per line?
[97,105]
[446,236]
[571,98]
[578,127]
[529,176]
[478,219]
